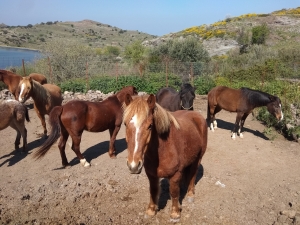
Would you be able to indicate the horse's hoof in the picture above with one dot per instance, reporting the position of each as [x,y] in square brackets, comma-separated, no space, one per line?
[233,136]
[241,135]
[85,163]
[175,217]
[113,156]
[150,212]
[67,166]
[174,220]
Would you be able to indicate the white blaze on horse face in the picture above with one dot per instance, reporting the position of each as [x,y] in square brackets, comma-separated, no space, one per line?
[137,128]
[22,89]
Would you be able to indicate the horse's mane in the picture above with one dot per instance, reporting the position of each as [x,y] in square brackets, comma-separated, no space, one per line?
[187,88]
[256,97]
[162,118]
[42,95]
[7,72]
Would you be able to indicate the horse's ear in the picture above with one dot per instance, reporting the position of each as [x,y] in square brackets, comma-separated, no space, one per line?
[151,101]
[29,79]
[128,99]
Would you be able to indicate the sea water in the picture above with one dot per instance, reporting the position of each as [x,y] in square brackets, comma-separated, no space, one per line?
[12,57]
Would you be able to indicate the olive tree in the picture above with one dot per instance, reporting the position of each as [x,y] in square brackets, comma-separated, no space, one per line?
[67,59]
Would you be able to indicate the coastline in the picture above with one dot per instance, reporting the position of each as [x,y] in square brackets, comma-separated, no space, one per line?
[21,48]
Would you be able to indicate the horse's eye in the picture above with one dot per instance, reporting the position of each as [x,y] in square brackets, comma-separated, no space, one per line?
[150,127]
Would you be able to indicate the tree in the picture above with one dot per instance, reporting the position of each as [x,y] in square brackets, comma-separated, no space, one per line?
[136,55]
[186,50]
[68,59]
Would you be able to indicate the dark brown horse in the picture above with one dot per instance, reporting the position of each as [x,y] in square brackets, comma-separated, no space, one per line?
[242,101]
[45,97]
[172,100]
[12,80]
[76,116]
[13,114]
[168,145]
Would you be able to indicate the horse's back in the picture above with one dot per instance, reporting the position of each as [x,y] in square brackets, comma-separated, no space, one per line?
[168,98]
[224,97]
[193,129]
[11,110]
[91,116]
[38,77]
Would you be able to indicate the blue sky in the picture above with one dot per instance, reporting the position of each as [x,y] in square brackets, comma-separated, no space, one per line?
[156,17]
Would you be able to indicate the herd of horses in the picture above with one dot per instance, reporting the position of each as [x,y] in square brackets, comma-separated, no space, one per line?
[164,135]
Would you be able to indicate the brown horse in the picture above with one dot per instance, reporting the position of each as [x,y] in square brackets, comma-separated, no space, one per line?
[13,113]
[172,100]
[76,116]
[45,97]
[12,80]
[168,145]
[242,101]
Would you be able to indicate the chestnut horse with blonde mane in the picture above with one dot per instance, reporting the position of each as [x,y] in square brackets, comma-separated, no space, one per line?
[76,116]
[13,114]
[167,144]
[45,97]
[12,80]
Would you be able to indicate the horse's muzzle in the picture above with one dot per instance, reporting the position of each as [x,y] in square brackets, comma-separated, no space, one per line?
[22,100]
[135,168]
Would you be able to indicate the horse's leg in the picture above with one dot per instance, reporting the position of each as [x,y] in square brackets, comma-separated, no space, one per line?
[18,137]
[62,146]
[154,194]
[113,135]
[210,116]
[214,121]
[42,118]
[244,117]
[76,139]
[23,132]
[236,125]
[175,192]
[191,174]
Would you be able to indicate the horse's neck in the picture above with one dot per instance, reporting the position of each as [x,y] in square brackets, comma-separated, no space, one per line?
[39,93]
[259,99]
[8,79]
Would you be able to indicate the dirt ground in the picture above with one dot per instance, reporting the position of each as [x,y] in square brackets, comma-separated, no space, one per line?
[252,180]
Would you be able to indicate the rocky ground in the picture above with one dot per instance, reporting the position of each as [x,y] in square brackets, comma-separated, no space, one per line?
[252,180]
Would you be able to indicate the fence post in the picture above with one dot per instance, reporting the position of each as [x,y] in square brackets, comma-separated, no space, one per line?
[192,74]
[23,65]
[86,75]
[50,70]
[167,81]
[117,74]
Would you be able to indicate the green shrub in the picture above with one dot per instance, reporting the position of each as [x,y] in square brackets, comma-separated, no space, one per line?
[259,34]
[204,84]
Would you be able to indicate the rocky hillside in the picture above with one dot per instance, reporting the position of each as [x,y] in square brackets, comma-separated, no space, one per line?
[222,36]
[89,32]
[218,38]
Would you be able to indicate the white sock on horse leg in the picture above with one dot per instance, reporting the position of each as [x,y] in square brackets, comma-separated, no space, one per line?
[212,127]
[215,124]
[84,163]
[233,136]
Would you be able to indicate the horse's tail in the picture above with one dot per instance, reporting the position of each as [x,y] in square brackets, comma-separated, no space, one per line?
[55,123]
[26,114]
[208,111]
